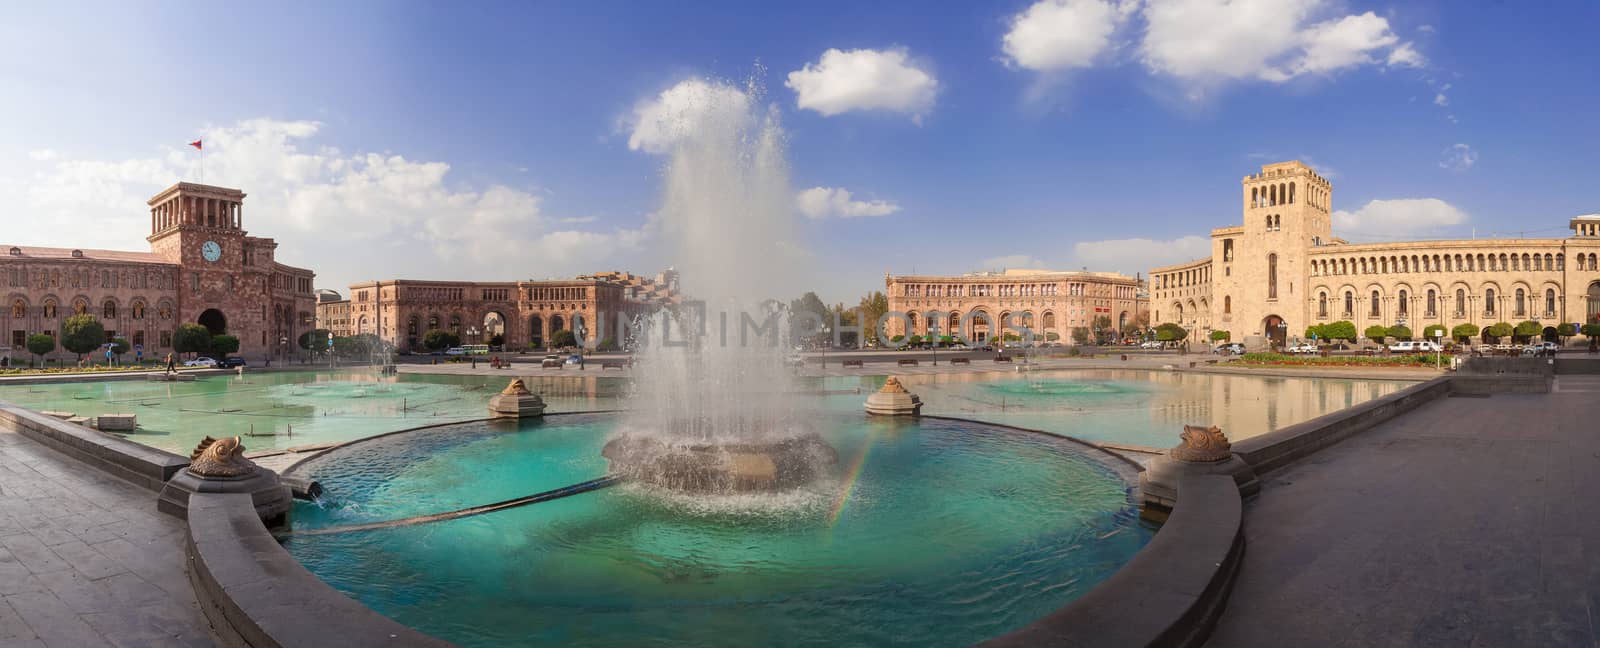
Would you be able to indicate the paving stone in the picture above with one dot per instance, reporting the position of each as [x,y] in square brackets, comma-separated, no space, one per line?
[53,621]
[1462,523]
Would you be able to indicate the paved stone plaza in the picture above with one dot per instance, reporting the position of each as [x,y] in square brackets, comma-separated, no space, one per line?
[85,559]
[1469,522]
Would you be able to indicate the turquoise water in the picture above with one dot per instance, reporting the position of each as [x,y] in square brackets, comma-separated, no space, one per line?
[294,408]
[947,533]
[1128,406]
[287,409]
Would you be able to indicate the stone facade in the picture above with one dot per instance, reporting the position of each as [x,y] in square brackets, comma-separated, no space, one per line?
[1283,270]
[525,313]
[1045,301]
[333,314]
[202,267]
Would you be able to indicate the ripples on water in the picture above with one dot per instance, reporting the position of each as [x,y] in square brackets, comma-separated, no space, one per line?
[952,533]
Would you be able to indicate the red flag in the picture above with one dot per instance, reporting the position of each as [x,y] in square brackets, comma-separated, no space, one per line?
[196,144]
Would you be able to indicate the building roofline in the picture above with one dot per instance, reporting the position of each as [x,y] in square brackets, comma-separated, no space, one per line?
[195,187]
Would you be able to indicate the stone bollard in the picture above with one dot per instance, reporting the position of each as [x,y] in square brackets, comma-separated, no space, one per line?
[1200,450]
[893,400]
[219,466]
[515,401]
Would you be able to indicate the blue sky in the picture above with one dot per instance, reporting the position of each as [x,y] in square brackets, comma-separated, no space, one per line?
[386,139]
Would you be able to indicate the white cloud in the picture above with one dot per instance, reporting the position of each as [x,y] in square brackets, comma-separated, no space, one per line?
[1137,255]
[1404,217]
[346,216]
[1458,157]
[1013,261]
[823,202]
[578,220]
[1441,100]
[1062,34]
[1208,41]
[1407,56]
[682,110]
[864,79]
[43,155]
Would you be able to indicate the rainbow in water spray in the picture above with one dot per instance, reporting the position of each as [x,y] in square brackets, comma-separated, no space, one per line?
[850,479]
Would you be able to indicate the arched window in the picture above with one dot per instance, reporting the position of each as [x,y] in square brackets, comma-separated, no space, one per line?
[1433,303]
[1402,309]
[1227,304]
[1322,305]
[1488,301]
[1461,302]
[1291,193]
[1049,321]
[138,310]
[49,309]
[1549,302]
[1349,303]
[1522,302]
[1272,276]
[1376,299]
[19,309]
[108,310]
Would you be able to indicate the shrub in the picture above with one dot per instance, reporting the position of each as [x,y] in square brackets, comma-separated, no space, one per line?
[1590,330]
[1499,330]
[120,345]
[1567,330]
[560,339]
[40,344]
[81,334]
[224,344]
[1399,332]
[1340,330]
[1376,333]
[1464,331]
[440,339]
[1434,331]
[1169,332]
[1080,335]
[315,340]
[1218,336]
[191,338]
[1528,329]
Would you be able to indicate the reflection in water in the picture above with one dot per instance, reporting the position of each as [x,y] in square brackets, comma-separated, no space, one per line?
[1140,407]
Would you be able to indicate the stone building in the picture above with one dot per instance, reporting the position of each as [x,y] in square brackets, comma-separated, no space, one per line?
[333,313]
[1043,300]
[202,267]
[524,313]
[1283,270]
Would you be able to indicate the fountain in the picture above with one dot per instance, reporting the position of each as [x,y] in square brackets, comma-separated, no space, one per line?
[715,411]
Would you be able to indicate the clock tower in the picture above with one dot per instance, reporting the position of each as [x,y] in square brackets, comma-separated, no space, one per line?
[200,229]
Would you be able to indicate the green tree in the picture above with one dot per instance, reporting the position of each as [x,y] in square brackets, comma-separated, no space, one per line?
[1080,335]
[224,345]
[1464,332]
[1052,336]
[1566,330]
[1399,332]
[1376,333]
[81,334]
[1499,330]
[1102,328]
[1527,329]
[439,339]
[191,338]
[561,339]
[1315,332]
[315,340]
[1169,332]
[914,340]
[120,345]
[1588,330]
[811,303]
[40,344]
[1433,331]
[872,307]
[1218,336]
[1340,330]
[365,344]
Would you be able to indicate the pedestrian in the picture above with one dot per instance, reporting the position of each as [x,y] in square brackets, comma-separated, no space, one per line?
[172,364]
[109,356]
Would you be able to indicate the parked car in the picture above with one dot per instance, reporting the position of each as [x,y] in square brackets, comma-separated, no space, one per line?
[574,359]
[231,362]
[201,362]
[1151,344]
[455,351]
[1549,347]
[1303,347]
[1408,346]
[1232,348]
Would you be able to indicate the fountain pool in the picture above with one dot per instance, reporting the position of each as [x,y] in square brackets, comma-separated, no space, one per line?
[924,533]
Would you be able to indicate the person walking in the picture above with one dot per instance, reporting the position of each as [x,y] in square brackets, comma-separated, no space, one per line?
[172,365]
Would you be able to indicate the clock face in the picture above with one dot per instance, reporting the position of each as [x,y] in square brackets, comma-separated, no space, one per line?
[211,251]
